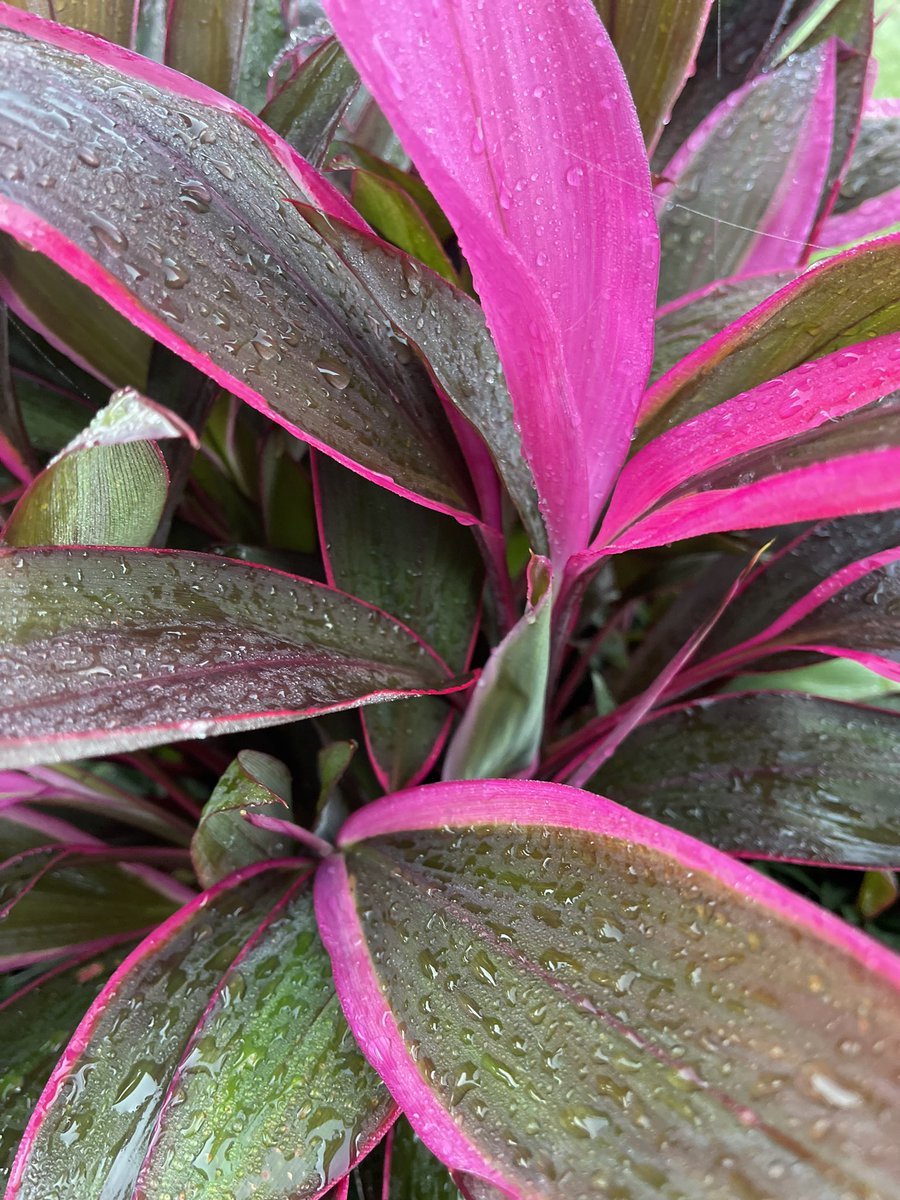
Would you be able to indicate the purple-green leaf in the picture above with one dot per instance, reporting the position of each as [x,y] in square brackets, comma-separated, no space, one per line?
[224,841]
[307,109]
[203,250]
[769,776]
[569,1000]
[110,650]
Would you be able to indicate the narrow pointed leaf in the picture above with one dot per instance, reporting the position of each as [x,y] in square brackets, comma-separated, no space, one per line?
[611,1005]
[207,254]
[390,210]
[52,901]
[130,1048]
[426,570]
[849,299]
[272,1097]
[407,1170]
[728,210]
[268,648]
[722,447]
[35,1025]
[769,776]
[410,183]
[224,841]
[448,330]
[501,730]
[548,237]
[869,200]
[307,109]
[657,43]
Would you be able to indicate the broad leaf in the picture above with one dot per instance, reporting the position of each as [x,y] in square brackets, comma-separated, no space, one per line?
[204,252]
[110,650]
[769,776]
[224,841]
[570,1001]
[59,891]
[169,1104]
[501,730]
[535,229]
[657,43]
[36,1022]
[426,570]
[757,209]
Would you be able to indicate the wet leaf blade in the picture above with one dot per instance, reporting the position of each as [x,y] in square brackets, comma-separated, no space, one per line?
[559,919]
[213,262]
[307,110]
[110,19]
[309,1109]
[269,648]
[769,776]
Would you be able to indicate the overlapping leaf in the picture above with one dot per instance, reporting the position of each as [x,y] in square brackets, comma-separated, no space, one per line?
[202,250]
[110,650]
[769,776]
[569,1000]
[176,1094]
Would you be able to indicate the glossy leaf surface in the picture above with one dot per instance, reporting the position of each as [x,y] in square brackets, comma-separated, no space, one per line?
[570,1000]
[769,776]
[271,1097]
[307,110]
[35,1025]
[657,43]
[224,841]
[849,299]
[391,210]
[207,255]
[548,236]
[423,568]
[728,210]
[107,650]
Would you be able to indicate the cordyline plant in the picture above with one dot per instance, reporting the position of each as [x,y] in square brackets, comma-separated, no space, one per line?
[385,433]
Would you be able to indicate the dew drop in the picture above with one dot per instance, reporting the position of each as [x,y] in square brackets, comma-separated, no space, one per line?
[88,157]
[574,176]
[196,196]
[333,372]
[176,275]
[108,237]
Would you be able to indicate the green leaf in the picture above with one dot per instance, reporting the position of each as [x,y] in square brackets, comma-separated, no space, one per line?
[420,566]
[657,42]
[407,1170]
[307,109]
[393,213]
[110,19]
[414,187]
[768,776]
[35,1026]
[52,900]
[500,733]
[114,649]
[224,841]
[220,1065]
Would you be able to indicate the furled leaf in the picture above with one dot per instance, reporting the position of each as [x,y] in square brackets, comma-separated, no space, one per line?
[501,730]
[769,776]
[54,899]
[36,1022]
[728,209]
[235,980]
[693,319]
[448,330]
[307,109]
[108,487]
[570,1001]
[203,251]
[536,230]
[426,570]
[224,841]
[110,650]
[657,43]
[849,299]
[793,446]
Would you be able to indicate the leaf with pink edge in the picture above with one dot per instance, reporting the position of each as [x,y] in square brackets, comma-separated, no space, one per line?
[755,214]
[561,994]
[107,649]
[307,109]
[869,199]
[547,237]
[208,256]
[768,775]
